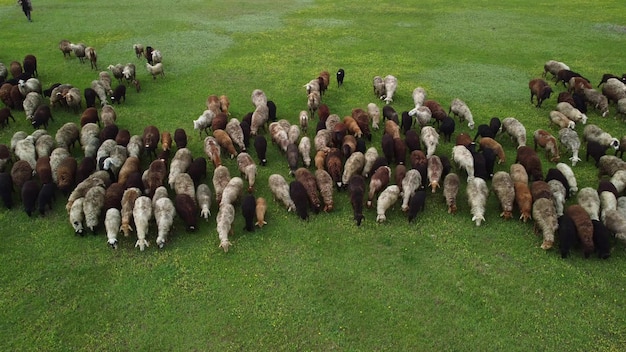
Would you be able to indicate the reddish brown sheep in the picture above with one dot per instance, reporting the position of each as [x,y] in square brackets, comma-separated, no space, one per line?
[539,88]
[584,227]
[66,174]
[547,141]
[524,200]
[150,139]
[528,158]
[304,176]
[378,182]
[90,115]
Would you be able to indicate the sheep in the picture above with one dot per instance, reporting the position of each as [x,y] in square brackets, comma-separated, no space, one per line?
[379,180]
[179,164]
[411,182]
[112,223]
[25,150]
[280,190]
[599,101]
[258,98]
[539,88]
[462,111]
[558,196]
[463,158]
[503,187]
[523,199]
[142,214]
[155,176]
[213,150]
[569,175]
[44,170]
[65,174]
[221,178]
[248,168]
[435,171]
[30,103]
[387,198]
[547,141]
[370,156]
[260,146]
[235,133]
[621,108]
[609,165]
[571,112]
[592,132]
[451,184]
[614,90]
[391,84]
[93,206]
[293,133]
[180,138]
[589,200]
[164,212]
[515,129]
[187,209]
[128,202]
[155,70]
[490,143]
[248,205]
[545,216]
[113,196]
[304,148]
[203,122]
[556,174]
[203,199]
[313,101]
[528,158]
[307,179]
[353,165]
[29,85]
[150,138]
[374,115]
[570,140]
[232,191]
[225,218]
[298,194]
[5,95]
[540,189]
[584,227]
[565,75]
[608,201]
[477,193]
[98,87]
[601,239]
[139,51]
[183,184]
[259,117]
[29,193]
[553,67]
[619,180]
[615,221]
[77,216]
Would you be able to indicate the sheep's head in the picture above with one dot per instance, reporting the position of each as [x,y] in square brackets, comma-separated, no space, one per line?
[478,219]
[358,218]
[614,143]
[225,245]
[571,125]
[112,243]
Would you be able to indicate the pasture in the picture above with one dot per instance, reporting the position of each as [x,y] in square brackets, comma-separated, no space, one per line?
[439,283]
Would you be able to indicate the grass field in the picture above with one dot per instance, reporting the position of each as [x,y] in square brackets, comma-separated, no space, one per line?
[440,283]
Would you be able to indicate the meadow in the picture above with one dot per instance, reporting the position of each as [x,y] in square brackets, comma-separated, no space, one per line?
[439,283]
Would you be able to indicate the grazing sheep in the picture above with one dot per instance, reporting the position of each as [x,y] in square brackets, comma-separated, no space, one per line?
[164,212]
[595,150]
[553,67]
[594,133]
[221,177]
[477,193]
[569,175]
[584,227]
[180,164]
[307,179]
[128,203]
[515,129]
[597,100]
[25,150]
[203,122]
[609,165]
[203,198]
[150,138]
[313,101]
[523,199]
[30,104]
[460,109]
[379,180]
[503,187]
[298,194]
[5,113]
[112,223]
[411,182]
[213,150]
[450,190]
[77,216]
[280,190]
[540,189]
[539,88]
[430,138]
[93,206]
[20,173]
[615,221]
[547,141]
[556,174]
[379,87]
[435,171]
[601,239]
[248,205]
[546,221]
[571,112]
[374,115]
[65,174]
[225,218]
[353,165]
[29,192]
[528,158]
[155,70]
[614,90]
[416,204]
[618,179]
[589,200]
[608,201]
[142,214]
[101,92]
[558,196]
[464,160]
[570,140]
[370,156]
[183,184]
[235,133]
[391,84]
[187,209]
[490,143]
[232,191]
[387,198]
[247,168]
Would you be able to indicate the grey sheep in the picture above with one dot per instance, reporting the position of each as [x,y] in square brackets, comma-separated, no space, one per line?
[460,109]
[203,197]
[128,203]
[464,160]
[589,199]
[25,150]
[100,90]
[235,132]
[112,223]
[379,87]
[615,221]
[594,133]
[77,216]
[183,184]
[558,195]
[391,84]
[248,168]
[450,190]
[92,207]
[597,100]
[374,114]
[515,129]
[554,67]
[477,193]
[502,185]
[545,217]
[142,214]
[225,218]
[280,189]
[386,200]
[67,135]
[180,163]
[571,112]
[44,145]
[371,154]
[353,165]
[411,182]
[232,192]
[561,120]
[326,187]
[221,177]
[31,103]
[164,213]
[304,148]
[570,140]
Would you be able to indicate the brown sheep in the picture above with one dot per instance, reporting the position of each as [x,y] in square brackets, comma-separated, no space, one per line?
[150,139]
[43,169]
[166,140]
[334,165]
[5,95]
[90,115]
[528,158]
[224,104]
[304,176]
[584,227]
[66,174]
[524,200]
[363,120]
[113,196]
[490,143]
[224,140]
[219,121]
[503,187]
[5,113]
[131,165]
[213,104]
[378,182]
[325,185]
[464,139]
[539,88]
[156,174]
[392,129]
[212,150]
[540,189]
[352,126]
[180,138]
[320,160]
[547,141]
[518,173]
[578,85]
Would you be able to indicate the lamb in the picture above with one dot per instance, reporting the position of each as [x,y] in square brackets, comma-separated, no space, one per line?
[221,177]
[477,193]
[571,112]
[203,122]
[391,84]
[430,138]
[280,190]
[528,158]
[247,168]
[547,141]
[378,182]
[539,88]
[386,200]
[353,165]
[515,129]
[584,227]
[460,109]
[235,133]
[570,140]
[225,218]
[464,159]
[93,206]
[232,191]
[503,187]
[155,70]
[203,198]
[599,101]
[592,132]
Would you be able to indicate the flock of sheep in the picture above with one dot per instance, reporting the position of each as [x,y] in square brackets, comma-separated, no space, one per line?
[108,185]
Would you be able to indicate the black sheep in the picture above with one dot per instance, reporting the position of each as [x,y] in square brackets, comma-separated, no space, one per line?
[356,187]
[412,140]
[447,166]
[271,106]
[378,162]
[42,115]
[340,75]
[495,125]
[490,161]
[245,128]
[595,150]
[90,97]
[387,147]
[446,128]
[187,209]
[6,189]
[361,146]
[86,167]
[197,170]
[390,113]
[298,194]
[407,122]
[480,166]
[564,76]
[134,180]
[149,51]
[46,197]
[601,239]
[484,130]
[607,186]
[417,203]
[30,191]
[248,206]
[320,126]
[48,92]
[580,102]
[556,174]
[566,234]
[260,145]
[399,151]
[119,94]
[180,138]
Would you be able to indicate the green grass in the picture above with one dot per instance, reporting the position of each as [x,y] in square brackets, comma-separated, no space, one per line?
[440,283]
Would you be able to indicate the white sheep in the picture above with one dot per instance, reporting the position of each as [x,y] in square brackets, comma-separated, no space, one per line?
[94,180]
[44,145]
[224,219]
[515,129]
[571,112]
[233,128]
[77,216]
[29,85]
[545,217]
[232,191]
[293,133]
[25,150]
[553,67]
[594,133]
[464,159]
[280,189]
[608,201]
[183,184]
[391,84]
[248,168]
[323,140]
[108,115]
[615,221]
[155,70]
[353,165]
[570,140]
[203,122]
[258,98]
[221,177]
[387,198]
[31,103]
[157,57]
[374,114]
[460,109]
[112,223]
[135,146]
[423,115]
[430,138]
[477,193]
[304,120]
[589,199]
[569,175]
[558,195]
[164,213]
[203,197]
[618,179]
[73,99]
[371,154]
[419,96]
[410,183]
[92,207]
[304,147]
[180,163]
[142,214]
[259,118]
[114,162]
